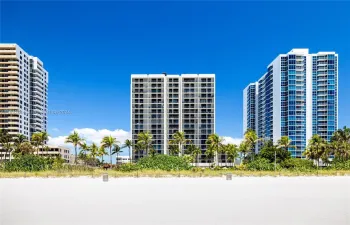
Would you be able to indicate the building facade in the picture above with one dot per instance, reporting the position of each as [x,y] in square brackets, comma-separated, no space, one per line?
[55,151]
[23,91]
[296,97]
[164,104]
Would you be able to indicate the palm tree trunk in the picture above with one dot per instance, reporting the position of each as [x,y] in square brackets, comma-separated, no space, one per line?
[110,154]
[76,155]
[130,156]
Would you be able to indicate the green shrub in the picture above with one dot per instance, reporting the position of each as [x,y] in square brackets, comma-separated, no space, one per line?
[28,163]
[297,164]
[340,165]
[58,163]
[260,164]
[164,162]
[128,167]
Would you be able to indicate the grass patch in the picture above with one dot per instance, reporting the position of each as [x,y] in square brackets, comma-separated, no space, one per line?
[161,173]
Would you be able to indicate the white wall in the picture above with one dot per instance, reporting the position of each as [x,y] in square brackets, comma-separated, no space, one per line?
[276,99]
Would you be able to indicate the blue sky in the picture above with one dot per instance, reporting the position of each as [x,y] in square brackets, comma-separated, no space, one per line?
[91,48]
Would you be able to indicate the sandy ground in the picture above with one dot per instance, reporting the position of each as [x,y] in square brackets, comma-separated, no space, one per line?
[190,201]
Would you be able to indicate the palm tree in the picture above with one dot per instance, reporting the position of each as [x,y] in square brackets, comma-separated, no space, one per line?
[337,144]
[215,142]
[35,140]
[18,140]
[285,142]
[128,144]
[137,148]
[180,140]
[231,152]
[84,147]
[194,151]
[315,148]
[94,150]
[26,148]
[3,133]
[43,138]
[102,152]
[251,138]
[210,152]
[109,142]
[145,139]
[173,148]
[341,143]
[244,149]
[76,140]
[116,150]
[6,143]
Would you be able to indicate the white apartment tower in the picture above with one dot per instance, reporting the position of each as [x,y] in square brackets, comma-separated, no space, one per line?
[164,104]
[23,91]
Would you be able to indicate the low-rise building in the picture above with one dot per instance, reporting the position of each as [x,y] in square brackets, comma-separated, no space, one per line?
[122,159]
[56,151]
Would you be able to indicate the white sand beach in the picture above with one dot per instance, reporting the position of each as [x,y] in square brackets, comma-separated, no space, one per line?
[190,201]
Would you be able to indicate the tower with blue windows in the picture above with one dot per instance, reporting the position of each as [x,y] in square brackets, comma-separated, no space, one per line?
[296,97]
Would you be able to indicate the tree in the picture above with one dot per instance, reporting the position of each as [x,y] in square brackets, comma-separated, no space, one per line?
[251,138]
[116,150]
[194,151]
[18,140]
[145,140]
[26,148]
[285,143]
[137,148]
[109,142]
[84,148]
[76,140]
[231,151]
[6,143]
[43,138]
[340,143]
[128,144]
[102,152]
[180,140]
[173,148]
[210,152]
[244,149]
[315,148]
[215,142]
[94,150]
[269,150]
[36,141]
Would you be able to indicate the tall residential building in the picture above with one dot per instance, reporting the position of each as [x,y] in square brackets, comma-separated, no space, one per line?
[23,91]
[163,104]
[296,97]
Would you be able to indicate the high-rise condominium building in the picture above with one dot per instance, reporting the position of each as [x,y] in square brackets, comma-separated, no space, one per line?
[23,91]
[164,104]
[296,97]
